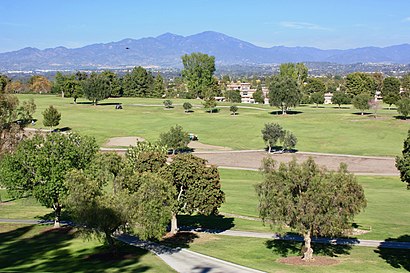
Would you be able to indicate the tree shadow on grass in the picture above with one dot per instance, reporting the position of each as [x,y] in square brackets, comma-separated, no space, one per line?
[285,248]
[397,258]
[360,113]
[289,112]
[182,239]
[215,222]
[401,117]
[40,249]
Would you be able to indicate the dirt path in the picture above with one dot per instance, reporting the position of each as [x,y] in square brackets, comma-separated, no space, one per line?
[251,160]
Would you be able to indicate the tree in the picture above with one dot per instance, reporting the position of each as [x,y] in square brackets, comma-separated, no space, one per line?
[258,95]
[375,106]
[167,104]
[360,83]
[176,138]
[233,109]
[403,107]
[233,96]
[271,134]
[12,120]
[209,105]
[284,93]
[187,107]
[138,83]
[39,167]
[391,90]
[296,71]
[403,162]
[317,98]
[198,187]
[405,82]
[158,89]
[361,102]
[39,84]
[289,141]
[198,72]
[4,80]
[340,97]
[314,85]
[309,199]
[97,87]
[51,117]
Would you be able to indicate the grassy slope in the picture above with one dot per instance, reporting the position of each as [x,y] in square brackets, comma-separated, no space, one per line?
[321,130]
[385,214]
[26,248]
[262,254]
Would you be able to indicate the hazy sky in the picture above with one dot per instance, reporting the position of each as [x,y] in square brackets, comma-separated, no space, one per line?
[323,23]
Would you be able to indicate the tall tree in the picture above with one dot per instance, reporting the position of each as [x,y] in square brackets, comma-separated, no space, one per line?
[403,162]
[391,90]
[138,83]
[233,96]
[284,93]
[296,71]
[314,85]
[4,80]
[97,87]
[39,167]
[158,89]
[39,84]
[176,138]
[198,73]
[405,82]
[258,95]
[309,199]
[317,98]
[360,83]
[198,187]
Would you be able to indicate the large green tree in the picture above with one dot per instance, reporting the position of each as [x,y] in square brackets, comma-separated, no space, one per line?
[197,185]
[258,95]
[309,199]
[158,89]
[39,167]
[314,85]
[403,106]
[97,87]
[271,134]
[391,90]
[296,71]
[360,83]
[284,93]
[138,83]
[198,73]
[403,162]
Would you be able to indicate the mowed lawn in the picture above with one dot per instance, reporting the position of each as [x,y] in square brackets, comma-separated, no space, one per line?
[385,217]
[28,248]
[327,129]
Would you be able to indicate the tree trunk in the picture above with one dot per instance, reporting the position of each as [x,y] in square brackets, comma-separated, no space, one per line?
[174,223]
[307,250]
[57,214]
[110,241]
[362,113]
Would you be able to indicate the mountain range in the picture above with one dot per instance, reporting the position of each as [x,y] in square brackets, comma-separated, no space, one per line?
[166,51]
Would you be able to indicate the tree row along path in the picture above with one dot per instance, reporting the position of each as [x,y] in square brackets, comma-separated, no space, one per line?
[251,160]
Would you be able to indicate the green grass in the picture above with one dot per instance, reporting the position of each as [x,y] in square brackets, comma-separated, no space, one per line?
[263,254]
[25,208]
[27,248]
[326,129]
[385,216]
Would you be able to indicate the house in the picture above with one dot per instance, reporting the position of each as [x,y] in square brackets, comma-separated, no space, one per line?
[246,91]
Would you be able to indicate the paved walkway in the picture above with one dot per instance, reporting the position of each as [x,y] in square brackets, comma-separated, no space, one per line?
[186,261]
[333,241]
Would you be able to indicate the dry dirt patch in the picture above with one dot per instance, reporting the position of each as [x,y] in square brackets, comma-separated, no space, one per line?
[318,261]
[123,141]
[198,146]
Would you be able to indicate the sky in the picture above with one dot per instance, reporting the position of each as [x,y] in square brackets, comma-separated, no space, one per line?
[325,24]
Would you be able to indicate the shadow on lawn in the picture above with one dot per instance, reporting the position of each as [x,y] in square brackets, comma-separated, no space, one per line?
[214,222]
[289,112]
[397,258]
[286,247]
[50,250]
